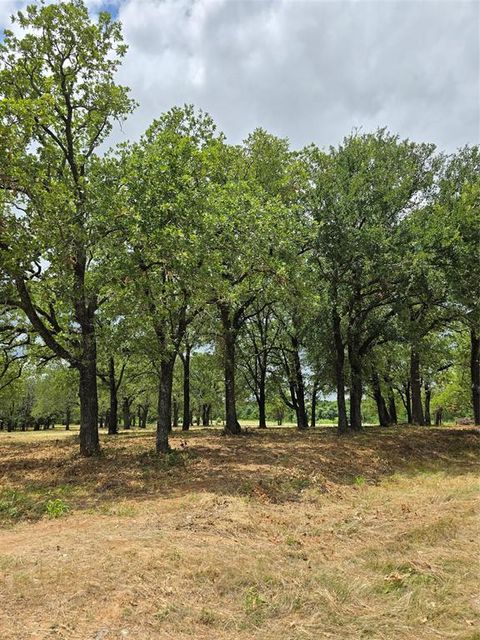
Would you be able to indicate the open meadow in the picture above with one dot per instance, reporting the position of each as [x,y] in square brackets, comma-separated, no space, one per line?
[273,534]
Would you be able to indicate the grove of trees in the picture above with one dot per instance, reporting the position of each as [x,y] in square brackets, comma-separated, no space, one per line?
[183,279]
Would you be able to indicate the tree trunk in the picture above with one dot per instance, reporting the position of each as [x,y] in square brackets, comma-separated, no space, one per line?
[186,389]
[89,443]
[145,416]
[261,401]
[356,389]
[428,397]
[232,426]
[126,413]
[300,409]
[164,419]
[475,374]
[142,416]
[340,373]
[383,417]
[313,420]
[68,414]
[175,413]
[416,389]
[392,409]
[408,402]
[112,387]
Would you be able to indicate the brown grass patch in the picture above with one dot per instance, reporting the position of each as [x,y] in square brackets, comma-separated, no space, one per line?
[272,535]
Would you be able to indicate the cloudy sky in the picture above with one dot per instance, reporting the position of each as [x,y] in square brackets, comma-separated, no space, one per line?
[310,71]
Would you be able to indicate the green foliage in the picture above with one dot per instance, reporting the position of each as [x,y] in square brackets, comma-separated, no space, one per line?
[307,271]
[56,508]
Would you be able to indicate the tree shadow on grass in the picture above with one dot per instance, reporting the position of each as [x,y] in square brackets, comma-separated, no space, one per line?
[276,464]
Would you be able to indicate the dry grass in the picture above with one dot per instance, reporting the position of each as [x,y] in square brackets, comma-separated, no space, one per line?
[274,535]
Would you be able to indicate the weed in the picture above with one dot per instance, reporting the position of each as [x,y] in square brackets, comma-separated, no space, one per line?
[254,604]
[56,508]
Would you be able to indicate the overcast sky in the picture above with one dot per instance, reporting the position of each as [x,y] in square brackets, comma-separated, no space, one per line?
[310,71]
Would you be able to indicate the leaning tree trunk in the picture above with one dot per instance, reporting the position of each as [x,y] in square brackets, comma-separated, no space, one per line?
[112,387]
[356,389]
[475,374]
[383,417]
[164,416]
[186,389]
[340,373]
[232,426]
[416,389]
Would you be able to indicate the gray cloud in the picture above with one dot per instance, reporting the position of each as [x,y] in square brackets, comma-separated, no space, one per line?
[310,71]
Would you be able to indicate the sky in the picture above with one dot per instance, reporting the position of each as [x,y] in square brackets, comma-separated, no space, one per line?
[310,71]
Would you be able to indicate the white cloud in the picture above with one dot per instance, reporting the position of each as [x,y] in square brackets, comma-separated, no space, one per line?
[307,70]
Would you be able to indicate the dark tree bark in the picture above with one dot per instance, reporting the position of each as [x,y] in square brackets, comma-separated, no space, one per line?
[261,401]
[175,413]
[408,402]
[126,413]
[68,414]
[186,389]
[383,416]
[89,443]
[438,417]
[475,374]
[142,416]
[416,389]
[206,414]
[164,408]
[232,426]
[392,409]
[428,397]
[356,388]
[112,387]
[313,419]
[300,408]
[340,373]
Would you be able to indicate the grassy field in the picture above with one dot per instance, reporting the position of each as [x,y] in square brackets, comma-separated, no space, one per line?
[272,535]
